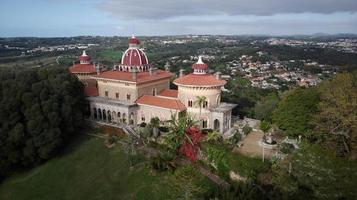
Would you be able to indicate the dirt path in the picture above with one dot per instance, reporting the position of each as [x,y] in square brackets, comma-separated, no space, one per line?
[250,146]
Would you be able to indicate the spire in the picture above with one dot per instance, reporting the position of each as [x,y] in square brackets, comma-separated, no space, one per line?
[84,53]
[199,60]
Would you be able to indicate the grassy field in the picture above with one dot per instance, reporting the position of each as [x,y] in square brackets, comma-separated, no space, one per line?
[89,170]
[110,55]
[31,62]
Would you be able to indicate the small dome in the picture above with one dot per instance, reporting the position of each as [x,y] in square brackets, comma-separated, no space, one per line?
[200,65]
[133,40]
[84,58]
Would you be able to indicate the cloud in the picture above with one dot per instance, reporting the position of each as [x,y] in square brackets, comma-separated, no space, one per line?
[279,24]
[167,9]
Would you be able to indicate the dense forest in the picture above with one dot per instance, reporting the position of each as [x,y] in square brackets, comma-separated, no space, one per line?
[40,110]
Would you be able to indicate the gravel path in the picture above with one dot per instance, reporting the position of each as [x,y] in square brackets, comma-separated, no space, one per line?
[250,146]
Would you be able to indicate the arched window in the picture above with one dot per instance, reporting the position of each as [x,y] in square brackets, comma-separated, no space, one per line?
[205,104]
[131,118]
[189,103]
[154,92]
[204,123]
[216,125]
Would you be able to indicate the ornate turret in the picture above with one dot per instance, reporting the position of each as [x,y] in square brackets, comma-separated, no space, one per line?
[84,58]
[200,67]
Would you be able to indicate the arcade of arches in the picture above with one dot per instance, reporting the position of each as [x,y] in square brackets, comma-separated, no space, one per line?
[114,117]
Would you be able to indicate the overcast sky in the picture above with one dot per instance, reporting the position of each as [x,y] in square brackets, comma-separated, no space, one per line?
[52,18]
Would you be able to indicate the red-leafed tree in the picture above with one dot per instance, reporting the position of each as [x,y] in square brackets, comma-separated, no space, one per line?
[191,146]
[184,136]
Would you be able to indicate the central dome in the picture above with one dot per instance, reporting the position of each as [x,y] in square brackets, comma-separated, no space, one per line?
[133,57]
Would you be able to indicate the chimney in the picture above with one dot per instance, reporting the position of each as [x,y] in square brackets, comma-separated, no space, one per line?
[182,72]
[218,75]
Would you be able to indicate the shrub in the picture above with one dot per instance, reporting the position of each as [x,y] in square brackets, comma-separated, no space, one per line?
[247,129]
[235,139]
[142,124]
[239,190]
[287,148]
[218,160]
[213,136]
[264,126]
[162,163]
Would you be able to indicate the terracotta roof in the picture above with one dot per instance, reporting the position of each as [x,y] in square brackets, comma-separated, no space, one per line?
[161,102]
[199,80]
[141,76]
[168,93]
[83,68]
[134,57]
[91,91]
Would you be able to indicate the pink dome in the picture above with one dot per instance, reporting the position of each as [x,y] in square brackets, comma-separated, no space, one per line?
[200,65]
[134,57]
[84,57]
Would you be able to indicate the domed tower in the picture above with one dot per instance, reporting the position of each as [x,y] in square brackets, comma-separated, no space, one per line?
[133,58]
[84,58]
[85,68]
[197,85]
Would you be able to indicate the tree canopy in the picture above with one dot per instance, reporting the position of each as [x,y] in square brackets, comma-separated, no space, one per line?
[336,120]
[295,111]
[315,173]
[40,109]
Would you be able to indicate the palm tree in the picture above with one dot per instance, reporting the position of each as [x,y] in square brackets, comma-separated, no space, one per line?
[200,100]
[177,130]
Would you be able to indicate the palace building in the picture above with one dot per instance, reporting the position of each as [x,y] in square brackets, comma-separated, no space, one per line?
[134,91]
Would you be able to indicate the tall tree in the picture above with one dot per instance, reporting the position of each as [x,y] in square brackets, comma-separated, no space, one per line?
[295,111]
[336,122]
[40,109]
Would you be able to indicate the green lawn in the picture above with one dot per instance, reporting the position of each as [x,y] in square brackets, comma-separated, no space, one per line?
[89,170]
[110,55]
